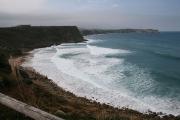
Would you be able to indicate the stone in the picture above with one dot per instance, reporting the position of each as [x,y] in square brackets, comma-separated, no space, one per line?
[60,113]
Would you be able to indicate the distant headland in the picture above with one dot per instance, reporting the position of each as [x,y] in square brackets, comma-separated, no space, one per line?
[105,31]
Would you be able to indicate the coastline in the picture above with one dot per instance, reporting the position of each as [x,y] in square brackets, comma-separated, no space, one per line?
[39,91]
[84,107]
[79,106]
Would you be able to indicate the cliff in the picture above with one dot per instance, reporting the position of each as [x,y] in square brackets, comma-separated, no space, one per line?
[104,31]
[29,37]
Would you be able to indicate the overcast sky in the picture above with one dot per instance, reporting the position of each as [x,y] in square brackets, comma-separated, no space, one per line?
[158,14]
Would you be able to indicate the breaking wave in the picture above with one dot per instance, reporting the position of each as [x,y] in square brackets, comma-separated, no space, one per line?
[84,70]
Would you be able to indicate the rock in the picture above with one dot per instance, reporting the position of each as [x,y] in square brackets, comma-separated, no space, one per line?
[60,113]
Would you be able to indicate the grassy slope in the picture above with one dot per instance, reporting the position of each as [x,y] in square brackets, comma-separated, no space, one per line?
[42,93]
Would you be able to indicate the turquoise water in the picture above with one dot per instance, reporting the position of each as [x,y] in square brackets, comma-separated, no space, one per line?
[140,71]
[158,55]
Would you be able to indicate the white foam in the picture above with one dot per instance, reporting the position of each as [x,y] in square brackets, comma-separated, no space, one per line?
[94,50]
[86,71]
[93,40]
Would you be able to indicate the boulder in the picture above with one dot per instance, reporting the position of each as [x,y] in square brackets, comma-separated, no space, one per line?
[60,113]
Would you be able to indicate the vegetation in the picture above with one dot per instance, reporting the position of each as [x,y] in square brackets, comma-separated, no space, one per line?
[29,37]
[44,94]
[15,40]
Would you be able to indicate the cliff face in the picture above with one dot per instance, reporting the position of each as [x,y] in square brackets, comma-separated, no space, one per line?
[29,37]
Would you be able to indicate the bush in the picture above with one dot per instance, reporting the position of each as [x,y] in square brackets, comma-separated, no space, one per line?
[6,81]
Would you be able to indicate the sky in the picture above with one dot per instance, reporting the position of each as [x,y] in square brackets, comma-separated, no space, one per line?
[106,14]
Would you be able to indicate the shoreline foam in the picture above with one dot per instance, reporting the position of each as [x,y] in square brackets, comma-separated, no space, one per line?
[71,89]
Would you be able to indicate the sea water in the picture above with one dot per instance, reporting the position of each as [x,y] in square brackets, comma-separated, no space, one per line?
[140,71]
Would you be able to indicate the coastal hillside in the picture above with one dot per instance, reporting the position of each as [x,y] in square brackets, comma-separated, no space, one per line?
[15,40]
[105,31]
[29,37]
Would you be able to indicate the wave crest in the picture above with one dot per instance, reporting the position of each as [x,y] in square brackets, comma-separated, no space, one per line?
[94,50]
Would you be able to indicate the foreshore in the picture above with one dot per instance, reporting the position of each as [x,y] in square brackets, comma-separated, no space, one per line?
[41,92]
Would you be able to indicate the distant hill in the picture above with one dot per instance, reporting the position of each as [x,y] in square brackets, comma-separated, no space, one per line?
[104,31]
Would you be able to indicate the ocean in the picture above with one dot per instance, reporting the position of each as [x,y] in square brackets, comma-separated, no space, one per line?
[140,71]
